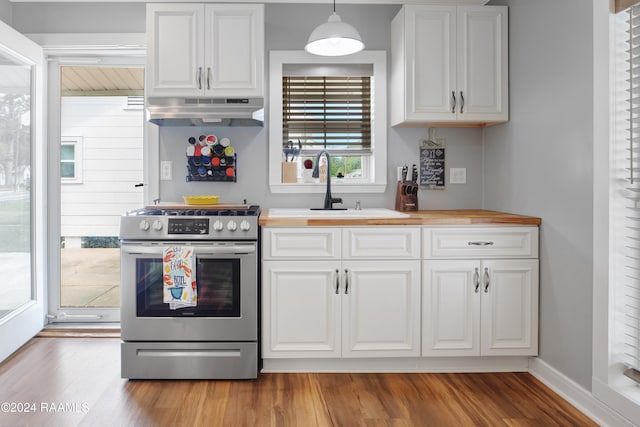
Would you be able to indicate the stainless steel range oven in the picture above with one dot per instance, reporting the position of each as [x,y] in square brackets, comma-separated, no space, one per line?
[215,336]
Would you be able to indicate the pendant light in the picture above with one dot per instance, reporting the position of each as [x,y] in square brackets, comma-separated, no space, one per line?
[334,38]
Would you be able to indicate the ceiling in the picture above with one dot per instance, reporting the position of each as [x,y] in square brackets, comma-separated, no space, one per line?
[101,81]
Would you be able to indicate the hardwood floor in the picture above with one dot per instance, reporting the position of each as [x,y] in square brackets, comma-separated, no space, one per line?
[76,382]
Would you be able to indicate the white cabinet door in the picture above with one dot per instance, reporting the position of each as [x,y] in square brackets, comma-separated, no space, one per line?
[386,243]
[482,77]
[381,309]
[234,54]
[431,68]
[510,307]
[297,243]
[301,309]
[451,308]
[175,49]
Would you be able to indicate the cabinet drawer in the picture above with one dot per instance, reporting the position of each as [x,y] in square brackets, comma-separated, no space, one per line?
[381,242]
[498,242]
[301,243]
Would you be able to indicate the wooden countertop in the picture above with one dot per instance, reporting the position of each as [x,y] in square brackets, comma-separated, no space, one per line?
[436,217]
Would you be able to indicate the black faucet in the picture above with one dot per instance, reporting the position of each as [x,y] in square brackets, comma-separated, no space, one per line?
[328,199]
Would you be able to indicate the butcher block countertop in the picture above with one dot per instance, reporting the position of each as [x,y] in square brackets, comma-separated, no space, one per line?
[436,217]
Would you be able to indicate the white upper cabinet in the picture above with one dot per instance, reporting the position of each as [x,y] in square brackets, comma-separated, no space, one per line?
[449,65]
[198,50]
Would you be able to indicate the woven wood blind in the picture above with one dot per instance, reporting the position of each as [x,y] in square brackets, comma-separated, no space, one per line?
[621,5]
[327,113]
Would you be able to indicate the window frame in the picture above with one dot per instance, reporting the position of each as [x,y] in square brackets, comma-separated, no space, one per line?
[76,142]
[377,161]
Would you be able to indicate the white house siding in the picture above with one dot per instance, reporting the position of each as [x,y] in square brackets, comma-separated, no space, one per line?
[111,162]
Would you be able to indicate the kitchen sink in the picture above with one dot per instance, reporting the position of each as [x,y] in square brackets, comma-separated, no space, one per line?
[344,213]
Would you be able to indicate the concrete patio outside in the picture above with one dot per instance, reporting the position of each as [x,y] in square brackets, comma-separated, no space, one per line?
[90,277]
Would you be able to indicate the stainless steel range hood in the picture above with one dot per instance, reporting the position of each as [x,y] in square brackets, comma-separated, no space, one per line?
[206,111]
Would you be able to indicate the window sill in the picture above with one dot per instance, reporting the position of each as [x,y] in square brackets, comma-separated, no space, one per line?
[320,188]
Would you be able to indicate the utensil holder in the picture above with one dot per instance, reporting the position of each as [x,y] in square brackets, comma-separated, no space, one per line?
[289,172]
[406,196]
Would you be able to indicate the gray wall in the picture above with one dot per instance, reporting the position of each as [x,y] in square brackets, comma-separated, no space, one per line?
[540,163]
[5,11]
[79,17]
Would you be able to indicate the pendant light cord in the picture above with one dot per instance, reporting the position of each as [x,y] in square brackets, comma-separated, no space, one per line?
[334,6]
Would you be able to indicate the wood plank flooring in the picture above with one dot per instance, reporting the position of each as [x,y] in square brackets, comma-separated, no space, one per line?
[76,382]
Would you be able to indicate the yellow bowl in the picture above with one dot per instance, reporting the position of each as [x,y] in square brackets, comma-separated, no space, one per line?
[201,200]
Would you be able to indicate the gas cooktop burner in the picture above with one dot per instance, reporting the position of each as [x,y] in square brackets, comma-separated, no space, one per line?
[252,210]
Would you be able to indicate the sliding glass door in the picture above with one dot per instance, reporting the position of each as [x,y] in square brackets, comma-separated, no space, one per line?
[21,165]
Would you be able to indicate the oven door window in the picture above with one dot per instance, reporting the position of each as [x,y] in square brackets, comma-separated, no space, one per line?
[218,285]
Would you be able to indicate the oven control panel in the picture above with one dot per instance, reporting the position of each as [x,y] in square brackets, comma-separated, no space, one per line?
[188,226]
[161,227]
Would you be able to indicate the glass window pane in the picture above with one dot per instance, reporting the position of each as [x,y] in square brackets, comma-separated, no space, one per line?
[15,184]
[67,152]
[67,170]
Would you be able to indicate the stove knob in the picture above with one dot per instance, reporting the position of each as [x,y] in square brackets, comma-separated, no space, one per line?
[244,225]
[218,226]
[157,225]
[232,226]
[144,225]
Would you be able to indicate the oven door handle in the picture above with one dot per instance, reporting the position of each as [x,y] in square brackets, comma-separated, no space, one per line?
[215,250]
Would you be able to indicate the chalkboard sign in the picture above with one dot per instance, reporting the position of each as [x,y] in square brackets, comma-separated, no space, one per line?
[432,167]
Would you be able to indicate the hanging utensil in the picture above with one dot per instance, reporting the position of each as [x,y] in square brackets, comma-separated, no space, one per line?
[296,151]
[287,150]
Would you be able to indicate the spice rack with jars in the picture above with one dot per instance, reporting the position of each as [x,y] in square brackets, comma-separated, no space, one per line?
[211,159]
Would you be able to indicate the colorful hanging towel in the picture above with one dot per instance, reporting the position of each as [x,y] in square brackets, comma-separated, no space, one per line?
[179,278]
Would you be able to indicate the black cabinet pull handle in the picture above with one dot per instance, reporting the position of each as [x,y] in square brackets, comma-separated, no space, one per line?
[486,280]
[476,280]
[478,243]
[346,281]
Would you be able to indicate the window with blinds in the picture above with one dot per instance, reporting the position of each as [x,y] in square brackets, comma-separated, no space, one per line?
[328,112]
[626,189]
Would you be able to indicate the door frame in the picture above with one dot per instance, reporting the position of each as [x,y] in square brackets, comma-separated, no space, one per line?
[95,50]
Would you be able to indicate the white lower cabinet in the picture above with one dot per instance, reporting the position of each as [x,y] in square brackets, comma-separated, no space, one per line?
[481,307]
[364,292]
[341,307]
[381,309]
[301,310]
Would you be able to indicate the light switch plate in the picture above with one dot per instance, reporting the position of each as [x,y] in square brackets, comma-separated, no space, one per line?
[166,170]
[457,175]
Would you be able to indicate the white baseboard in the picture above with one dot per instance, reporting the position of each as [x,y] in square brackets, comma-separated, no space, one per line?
[577,395]
[409,364]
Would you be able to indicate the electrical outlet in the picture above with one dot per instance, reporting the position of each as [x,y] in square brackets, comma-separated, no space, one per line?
[166,170]
[457,175]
